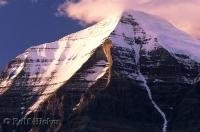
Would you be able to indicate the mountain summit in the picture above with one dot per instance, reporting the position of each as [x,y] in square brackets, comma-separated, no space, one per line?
[131,72]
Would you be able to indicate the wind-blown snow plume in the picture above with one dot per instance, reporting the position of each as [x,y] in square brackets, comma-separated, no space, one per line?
[90,11]
[182,13]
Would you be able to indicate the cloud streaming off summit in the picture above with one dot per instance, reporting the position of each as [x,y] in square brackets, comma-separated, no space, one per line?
[182,13]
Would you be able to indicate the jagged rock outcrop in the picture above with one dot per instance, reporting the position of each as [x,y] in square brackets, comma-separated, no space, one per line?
[130,72]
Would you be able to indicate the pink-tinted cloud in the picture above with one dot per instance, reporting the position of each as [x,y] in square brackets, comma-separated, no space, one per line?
[182,13]
[90,11]
[3,2]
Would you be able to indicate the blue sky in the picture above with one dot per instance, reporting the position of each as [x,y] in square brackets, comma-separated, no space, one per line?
[24,23]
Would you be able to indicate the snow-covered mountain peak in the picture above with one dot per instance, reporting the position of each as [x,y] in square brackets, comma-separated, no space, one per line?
[168,36]
[132,66]
[47,67]
[53,64]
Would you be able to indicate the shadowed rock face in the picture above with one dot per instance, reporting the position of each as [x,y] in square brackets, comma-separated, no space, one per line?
[109,92]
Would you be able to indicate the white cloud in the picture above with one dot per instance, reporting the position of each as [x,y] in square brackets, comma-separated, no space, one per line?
[182,13]
[3,2]
[90,11]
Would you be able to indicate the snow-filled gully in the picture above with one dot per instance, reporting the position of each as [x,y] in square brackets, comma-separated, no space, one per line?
[154,104]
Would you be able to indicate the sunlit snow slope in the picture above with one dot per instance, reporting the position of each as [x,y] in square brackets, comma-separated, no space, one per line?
[52,64]
[137,46]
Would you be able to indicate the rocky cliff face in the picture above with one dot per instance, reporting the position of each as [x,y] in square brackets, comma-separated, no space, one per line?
[130,72]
